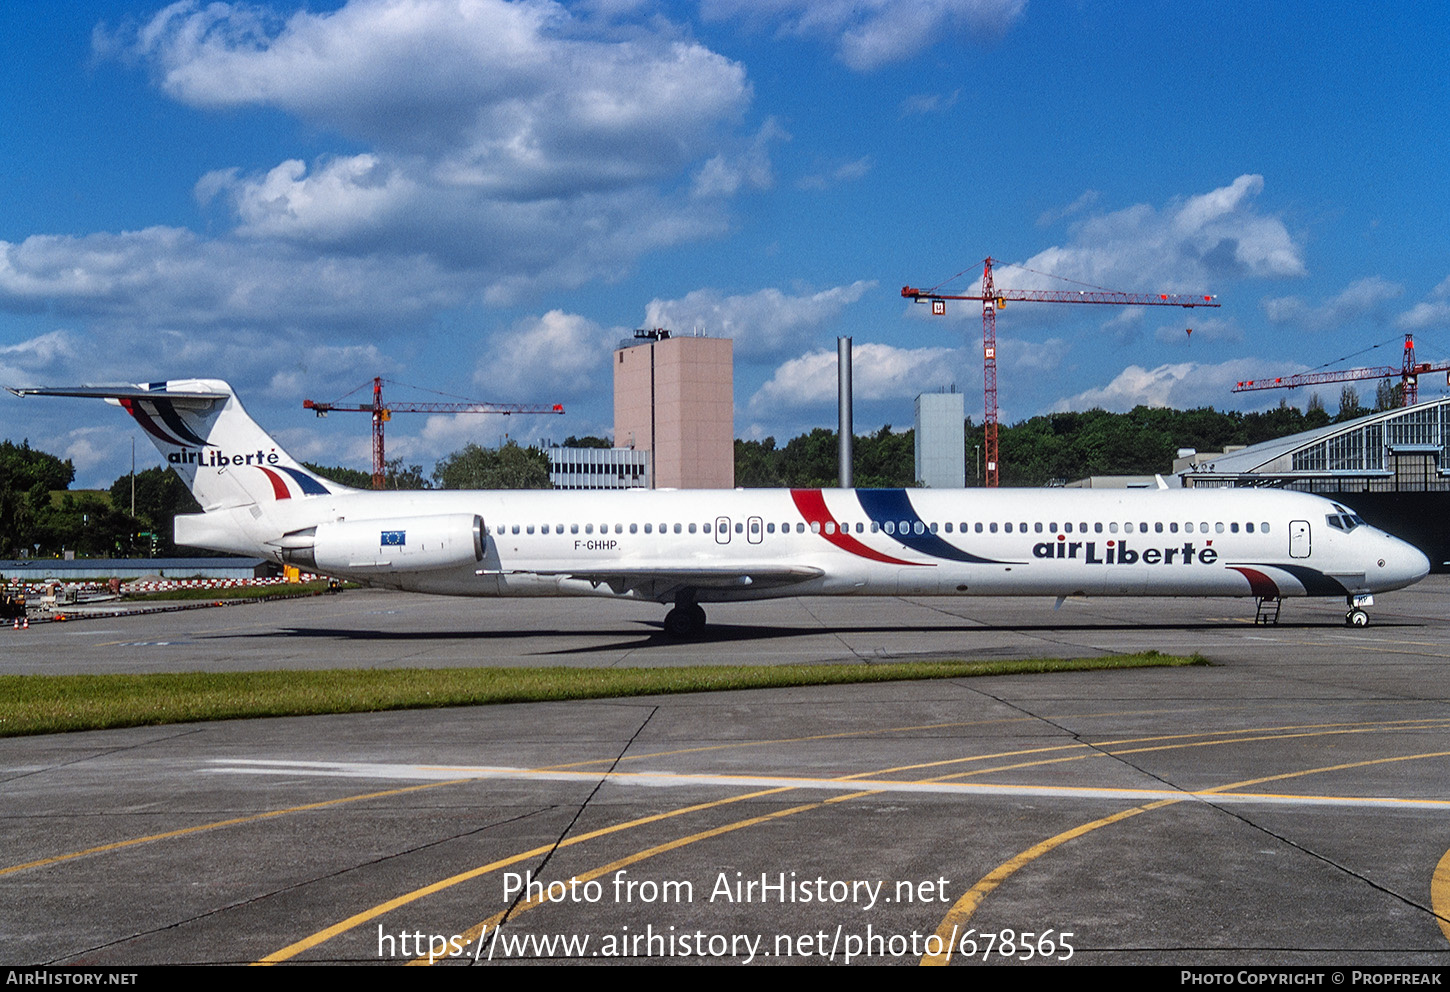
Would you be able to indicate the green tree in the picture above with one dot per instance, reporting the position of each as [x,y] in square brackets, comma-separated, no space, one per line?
[508,467]
[587,441]
[1349,406]
[160,496]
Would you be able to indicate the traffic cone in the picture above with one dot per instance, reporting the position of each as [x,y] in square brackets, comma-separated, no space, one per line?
[26,624]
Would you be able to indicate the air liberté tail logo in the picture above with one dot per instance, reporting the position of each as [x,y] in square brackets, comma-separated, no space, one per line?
[1118,553]
[216,458]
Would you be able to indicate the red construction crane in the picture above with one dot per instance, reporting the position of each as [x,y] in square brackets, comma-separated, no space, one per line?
[994,299]
[382,414]
[1409,373]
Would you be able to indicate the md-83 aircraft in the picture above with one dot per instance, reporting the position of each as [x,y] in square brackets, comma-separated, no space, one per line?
[692,547]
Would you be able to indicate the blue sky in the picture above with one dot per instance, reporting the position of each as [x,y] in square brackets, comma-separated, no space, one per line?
[482,198]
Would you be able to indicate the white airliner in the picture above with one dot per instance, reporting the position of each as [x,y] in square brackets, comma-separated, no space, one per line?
[701,546]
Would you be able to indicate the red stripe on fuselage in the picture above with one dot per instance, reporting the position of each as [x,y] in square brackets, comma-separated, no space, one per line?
[1259,583]
[812,506]
[279,488]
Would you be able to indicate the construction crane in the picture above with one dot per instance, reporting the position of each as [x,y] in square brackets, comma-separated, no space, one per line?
[382,414]
[1409,373]
[994,299]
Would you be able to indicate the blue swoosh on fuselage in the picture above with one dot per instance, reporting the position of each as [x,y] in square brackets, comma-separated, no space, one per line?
[893,505]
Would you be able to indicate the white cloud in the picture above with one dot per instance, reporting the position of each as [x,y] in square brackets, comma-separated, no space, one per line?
[1186,246]
[1049,217]
[514,99]
[1434,312]
[1183,385]
[847,172]
[766,322]
[921,104]
[559,351]
[868,34]
[509,146]
[1363,299]
[170,277]
[726,173]
[878,371]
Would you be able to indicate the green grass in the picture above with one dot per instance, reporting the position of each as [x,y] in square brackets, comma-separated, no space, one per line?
[47,704]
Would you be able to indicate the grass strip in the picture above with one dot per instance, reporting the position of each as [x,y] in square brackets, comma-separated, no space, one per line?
[48,704]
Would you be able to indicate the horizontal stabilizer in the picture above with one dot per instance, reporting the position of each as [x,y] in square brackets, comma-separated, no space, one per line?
[119,393]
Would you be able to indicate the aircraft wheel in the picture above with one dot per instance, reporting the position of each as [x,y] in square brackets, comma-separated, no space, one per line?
[685,621]
[1357,618]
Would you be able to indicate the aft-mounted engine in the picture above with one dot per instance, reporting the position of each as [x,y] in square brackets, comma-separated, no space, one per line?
[401,544]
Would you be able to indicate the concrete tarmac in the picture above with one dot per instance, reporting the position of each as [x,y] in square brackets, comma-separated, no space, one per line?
[1286,805]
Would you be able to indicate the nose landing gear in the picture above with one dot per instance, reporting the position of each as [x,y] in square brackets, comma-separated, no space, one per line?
[1357,617]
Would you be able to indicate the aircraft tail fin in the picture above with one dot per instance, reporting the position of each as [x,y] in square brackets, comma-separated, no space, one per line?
[202,432]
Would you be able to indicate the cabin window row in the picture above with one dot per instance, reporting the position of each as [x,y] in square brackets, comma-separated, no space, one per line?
[910,527]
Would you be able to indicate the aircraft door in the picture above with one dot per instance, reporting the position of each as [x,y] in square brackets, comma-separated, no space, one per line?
[1299,539]
[754,530]
[722,530]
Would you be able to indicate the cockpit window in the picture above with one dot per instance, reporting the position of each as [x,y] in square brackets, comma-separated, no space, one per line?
[1343,519]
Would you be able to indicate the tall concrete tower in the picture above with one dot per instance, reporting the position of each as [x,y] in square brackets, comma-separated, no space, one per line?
[675,398]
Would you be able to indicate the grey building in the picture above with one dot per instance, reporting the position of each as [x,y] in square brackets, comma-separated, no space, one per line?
[599,468]
[1393,467]
[941,440]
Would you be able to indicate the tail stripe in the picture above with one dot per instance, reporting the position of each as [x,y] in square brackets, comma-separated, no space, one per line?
[147,424]
[310,486]
[279,488]
[172,420]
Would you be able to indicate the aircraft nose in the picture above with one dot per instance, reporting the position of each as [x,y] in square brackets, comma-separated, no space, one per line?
[1405,564]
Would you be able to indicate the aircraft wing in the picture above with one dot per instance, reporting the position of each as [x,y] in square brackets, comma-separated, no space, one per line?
[660,582]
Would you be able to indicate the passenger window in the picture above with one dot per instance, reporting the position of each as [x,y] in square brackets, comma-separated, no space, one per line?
[769,528]
[1158,527]
[649,528]
[1037,527]
[978,527]
[1233,528]
[993,528]
[1067,527]
[1112,528]
[830,527]
[1248,528]
[919,527]
[1098,527]
[1264,527]
[677,528]
[1007,527]
[574,528]
[634,528]
[529,529]
[692,528]
[516,528]
[1218,527]
[800,528]
[889,526]
[933,528]
[949,526]
[706,527]
[1173,527]
[815,526]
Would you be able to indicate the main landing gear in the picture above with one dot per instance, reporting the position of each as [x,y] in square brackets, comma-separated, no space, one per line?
[686,620]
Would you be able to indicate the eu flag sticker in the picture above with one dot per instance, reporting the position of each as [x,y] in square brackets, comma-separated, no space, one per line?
[394,538]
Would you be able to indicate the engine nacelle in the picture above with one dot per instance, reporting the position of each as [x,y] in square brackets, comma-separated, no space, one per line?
[402,544]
